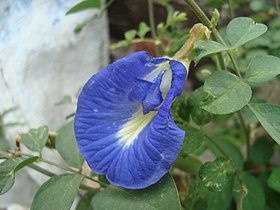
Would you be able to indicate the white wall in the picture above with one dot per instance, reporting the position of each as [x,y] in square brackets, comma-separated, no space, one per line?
[41,60]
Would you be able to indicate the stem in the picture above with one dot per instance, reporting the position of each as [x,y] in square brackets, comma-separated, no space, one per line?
[199,13]
[205,20]
[231,10]
[5,155]
[218,147]
[246,133]
[103,184]
[277,7]
[52,163]
[235,65]
[152,23]
[50,174]
[197,32]
[243,193]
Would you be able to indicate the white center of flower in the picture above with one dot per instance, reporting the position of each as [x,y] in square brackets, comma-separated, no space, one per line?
[130,130]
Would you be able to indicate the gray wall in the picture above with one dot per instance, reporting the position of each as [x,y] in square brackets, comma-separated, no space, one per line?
[41,60]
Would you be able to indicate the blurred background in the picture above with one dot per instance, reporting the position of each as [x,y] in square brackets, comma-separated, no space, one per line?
[46,56]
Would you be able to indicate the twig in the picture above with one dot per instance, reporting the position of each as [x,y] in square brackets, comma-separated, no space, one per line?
[231,10]
[218,147]
[205,20]
[277,7]
[243,193]
[103,184]
[246,133]
[50,174]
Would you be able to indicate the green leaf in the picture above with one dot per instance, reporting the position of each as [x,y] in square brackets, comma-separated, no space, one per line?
[120,44]
[272,197]
[243,29]
[258,6]
[261,151]
[268,115]
[175,17]
[130,35]
[197,99]
[8,168]
[255,198]
[35,139]
[230,149]
[67,147]
[180,109]
[193,140]
[274,180]
[162,195]
[214,3]
[262,69]
[143,30]
[88,4]
[203,48]
[85,202]
[57,193]
[217,175]
[249,116]
[217,200]
[229,92]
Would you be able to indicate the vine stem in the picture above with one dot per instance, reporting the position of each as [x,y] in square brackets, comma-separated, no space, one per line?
[246,132]
[243,192]
[231,8]
[277,7]
[218,147]
[152,24]
[205,20]
[68,169]
[50,174]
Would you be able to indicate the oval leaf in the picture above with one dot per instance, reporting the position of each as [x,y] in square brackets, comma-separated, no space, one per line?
[243,29]
[268,115]
[162,195]
[217,200]
[261,151]
[217,175]
[57,193]
[203,48]
[229,93]
[85,202]
[274,180]
[197,99]
[88,4]
[262,69]
[67,147]
[8,169]
[35,139]
[192,141]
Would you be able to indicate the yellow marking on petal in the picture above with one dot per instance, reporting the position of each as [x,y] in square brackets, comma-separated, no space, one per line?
[130,131]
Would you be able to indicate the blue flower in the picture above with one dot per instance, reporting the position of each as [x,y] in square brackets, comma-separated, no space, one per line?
[123,124]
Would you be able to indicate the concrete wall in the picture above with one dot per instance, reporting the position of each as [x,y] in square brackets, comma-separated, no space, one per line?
[41,60]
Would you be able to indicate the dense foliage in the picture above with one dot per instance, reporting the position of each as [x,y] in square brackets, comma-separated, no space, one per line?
[231,118]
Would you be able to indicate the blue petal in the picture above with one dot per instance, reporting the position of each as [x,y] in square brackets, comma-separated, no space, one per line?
[123,124]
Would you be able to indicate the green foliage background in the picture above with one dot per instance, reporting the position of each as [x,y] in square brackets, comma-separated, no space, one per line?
[224,117]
